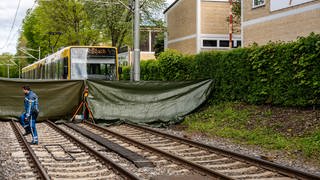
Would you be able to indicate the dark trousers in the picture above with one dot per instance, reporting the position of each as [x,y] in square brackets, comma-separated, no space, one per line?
[30,126]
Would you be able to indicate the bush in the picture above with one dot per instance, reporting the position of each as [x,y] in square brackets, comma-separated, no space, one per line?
[125,75]
[175,66]
[150,70]
[286,74]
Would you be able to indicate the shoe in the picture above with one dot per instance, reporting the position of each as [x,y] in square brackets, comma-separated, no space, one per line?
[34,143]
[26,133]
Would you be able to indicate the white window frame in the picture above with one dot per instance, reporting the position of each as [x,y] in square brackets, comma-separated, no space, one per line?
[218,43]
[259,5]
[209,47]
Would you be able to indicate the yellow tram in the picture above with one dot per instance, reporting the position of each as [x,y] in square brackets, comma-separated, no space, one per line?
[76,62]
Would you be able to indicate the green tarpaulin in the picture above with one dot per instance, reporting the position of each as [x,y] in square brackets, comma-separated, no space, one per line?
[57,99]
[153,103]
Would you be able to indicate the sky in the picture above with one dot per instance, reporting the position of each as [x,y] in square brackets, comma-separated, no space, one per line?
[8,9]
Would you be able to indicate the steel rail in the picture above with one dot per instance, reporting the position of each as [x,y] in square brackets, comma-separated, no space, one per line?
[291,172]
[173,157]
[106,160]
[41,170]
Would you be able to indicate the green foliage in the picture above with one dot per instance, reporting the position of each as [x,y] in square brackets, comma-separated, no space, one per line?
[114,20]
[236,10]
[65,16]
[230,71]
[150,70]
[277,73]
[84,23]
[159,45]
[125,75]
[174,66]
[286,73]
[5,60]
[229,121]
[310,144]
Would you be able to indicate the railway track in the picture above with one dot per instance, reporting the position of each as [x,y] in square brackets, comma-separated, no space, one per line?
[159,166]
[63,156]
[206,159]
[13,150]
[84,151]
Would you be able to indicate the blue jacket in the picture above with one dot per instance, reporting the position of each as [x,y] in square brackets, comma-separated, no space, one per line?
[30,103]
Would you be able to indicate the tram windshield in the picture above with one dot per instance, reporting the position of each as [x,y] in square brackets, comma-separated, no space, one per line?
[93,63]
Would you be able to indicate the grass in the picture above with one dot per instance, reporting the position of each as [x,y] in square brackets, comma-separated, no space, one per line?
[251,125]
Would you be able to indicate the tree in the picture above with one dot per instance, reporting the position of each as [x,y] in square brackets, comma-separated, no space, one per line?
[5,60]
[85,22]
[66,16]
[236,11]
[236,15]
[115,21]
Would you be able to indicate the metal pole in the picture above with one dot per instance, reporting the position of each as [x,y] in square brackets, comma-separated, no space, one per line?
[150,41]
[136,66]
[19,69]
[8,70]
[230,25]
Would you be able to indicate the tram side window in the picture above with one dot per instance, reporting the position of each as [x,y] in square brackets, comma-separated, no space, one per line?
[57,72]
[52,68]
[65,68]
[60,69]
[43,72]
[33,74]
[36,73]
[39,72]
[46,71]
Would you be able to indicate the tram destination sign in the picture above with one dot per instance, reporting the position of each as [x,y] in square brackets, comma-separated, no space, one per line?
[101,52]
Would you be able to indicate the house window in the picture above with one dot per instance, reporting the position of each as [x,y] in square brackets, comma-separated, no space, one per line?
[220,43]
[257,3]
[210,43]
[224,43]
[236,43]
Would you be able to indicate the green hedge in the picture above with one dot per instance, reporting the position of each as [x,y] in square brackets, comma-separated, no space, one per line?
[286,74]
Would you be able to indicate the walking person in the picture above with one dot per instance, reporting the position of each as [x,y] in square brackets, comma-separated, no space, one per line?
[29,117]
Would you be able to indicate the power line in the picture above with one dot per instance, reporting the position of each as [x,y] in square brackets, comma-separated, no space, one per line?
[14,36]
[31,9]
[13,23]
[34,4]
